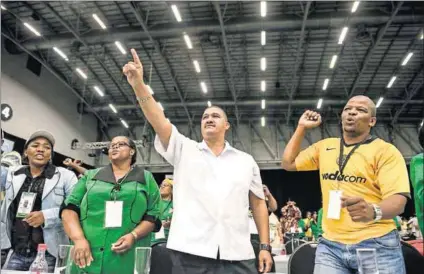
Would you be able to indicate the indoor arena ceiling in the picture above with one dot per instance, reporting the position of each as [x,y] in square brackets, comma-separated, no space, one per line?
[254,59]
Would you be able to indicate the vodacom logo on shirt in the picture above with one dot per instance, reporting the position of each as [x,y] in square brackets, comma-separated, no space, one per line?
[337,176]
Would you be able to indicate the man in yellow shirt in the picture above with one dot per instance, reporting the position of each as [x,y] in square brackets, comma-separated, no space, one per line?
[364,185]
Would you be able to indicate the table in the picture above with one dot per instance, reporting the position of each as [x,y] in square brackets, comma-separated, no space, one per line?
[282,263]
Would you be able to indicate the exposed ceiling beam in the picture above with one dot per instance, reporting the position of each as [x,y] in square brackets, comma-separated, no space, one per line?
[287,22]
[228,57]
[371,50]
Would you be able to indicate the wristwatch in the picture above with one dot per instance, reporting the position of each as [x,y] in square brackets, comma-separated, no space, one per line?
[378,214]
[266,247]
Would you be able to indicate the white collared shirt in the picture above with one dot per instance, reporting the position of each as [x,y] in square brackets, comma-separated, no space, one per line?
[211,198]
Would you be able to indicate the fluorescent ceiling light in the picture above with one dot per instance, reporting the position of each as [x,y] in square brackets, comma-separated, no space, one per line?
[263,85]
[120,47]
[99,91]
[188,41]
[422,123]
[176,13]
[355,6]
[263,103]
[161,107]
[263,8]
[100,22]
[263,38]
[390,84]
[343,35]
[209,104]
[196,66]
[63,55]
[333,61]
[112,107]
[81,73]
[422,35]
[406,60]
[380,100]
[263,121]
[263,63]
[31,28]
[324,86]
[319,103]
[204,87]
[3,7]
[124,123]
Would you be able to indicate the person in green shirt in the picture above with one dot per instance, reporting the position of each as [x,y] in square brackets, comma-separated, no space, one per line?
[301,226]
[166,209]
[110,212]
[314,226]
[320,231]
[416,169]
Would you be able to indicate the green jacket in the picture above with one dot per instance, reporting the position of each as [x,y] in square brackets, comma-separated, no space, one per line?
[416,169]
[166,209]
[140,195]
[320,231]
[316,232]
[301,224]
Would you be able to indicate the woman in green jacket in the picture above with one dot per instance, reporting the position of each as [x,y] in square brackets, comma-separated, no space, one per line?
[110,212]
[166,209]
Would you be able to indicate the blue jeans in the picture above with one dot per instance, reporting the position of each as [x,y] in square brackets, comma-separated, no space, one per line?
[336,258]
[22,263]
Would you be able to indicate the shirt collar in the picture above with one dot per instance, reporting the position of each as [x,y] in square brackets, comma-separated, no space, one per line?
[203,146]
[48,171]
[105,174]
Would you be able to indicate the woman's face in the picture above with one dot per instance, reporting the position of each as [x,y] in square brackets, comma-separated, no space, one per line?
[165,189]
[120,150]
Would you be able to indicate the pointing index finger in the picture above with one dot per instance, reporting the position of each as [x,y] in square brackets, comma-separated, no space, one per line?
[135,57]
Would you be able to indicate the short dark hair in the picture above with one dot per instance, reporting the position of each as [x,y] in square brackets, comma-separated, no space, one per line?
[133,146]
[218,107]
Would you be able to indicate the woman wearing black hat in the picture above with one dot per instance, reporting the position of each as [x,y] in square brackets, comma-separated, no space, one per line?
[43,187]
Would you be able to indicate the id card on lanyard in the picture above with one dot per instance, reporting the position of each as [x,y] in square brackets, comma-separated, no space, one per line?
[26,204]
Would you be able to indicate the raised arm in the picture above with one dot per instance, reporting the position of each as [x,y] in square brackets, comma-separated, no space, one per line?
[308,120]
[151,109]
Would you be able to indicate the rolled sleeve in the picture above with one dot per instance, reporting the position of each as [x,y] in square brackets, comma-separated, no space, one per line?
[392,174]
[172,153]
[256,182]
[153,199]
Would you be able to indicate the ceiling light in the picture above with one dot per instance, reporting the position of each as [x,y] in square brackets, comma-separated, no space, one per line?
[343,35]
[81,73]
[422,123]
[380,100]
[209,104]
[263,63]
[263,38]
[124,123]
[319,103]
[99,91]
[196,66]
[263,121]
[355,6]
[3,7]
[120,47]
[176,13]
[422,35]
[161,107]
[263,8]
[204,87]
[406,60]
[263,85]
[188,41]
[263,103]
[390,84]
[324,87]
[100,22]
[32,29]
[333,61]
[112,107]
[58,51]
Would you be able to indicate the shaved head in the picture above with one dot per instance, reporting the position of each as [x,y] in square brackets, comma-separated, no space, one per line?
[370,103]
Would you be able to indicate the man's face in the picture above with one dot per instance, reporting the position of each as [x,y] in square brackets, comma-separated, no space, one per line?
[308,215]
[357,116]
[39,152]
[214,123]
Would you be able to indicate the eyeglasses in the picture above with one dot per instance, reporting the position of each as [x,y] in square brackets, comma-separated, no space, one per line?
[118,145]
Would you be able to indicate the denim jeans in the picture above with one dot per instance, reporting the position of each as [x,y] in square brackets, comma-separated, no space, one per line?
[22,263]
[336,258]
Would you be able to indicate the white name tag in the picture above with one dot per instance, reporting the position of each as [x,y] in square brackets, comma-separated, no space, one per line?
[113,214]
[160,234]
[26,204]
[335,205]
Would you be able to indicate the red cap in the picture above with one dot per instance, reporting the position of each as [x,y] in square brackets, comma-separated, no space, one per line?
[42,247]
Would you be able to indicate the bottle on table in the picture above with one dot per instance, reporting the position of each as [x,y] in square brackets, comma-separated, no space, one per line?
[40,266]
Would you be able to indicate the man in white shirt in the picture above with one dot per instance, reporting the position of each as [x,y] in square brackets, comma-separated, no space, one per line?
[215,183]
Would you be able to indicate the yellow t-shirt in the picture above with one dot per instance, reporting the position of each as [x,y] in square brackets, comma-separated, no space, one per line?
[375,171]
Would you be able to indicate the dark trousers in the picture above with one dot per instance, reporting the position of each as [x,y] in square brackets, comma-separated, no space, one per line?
[183,263]
[254,239]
